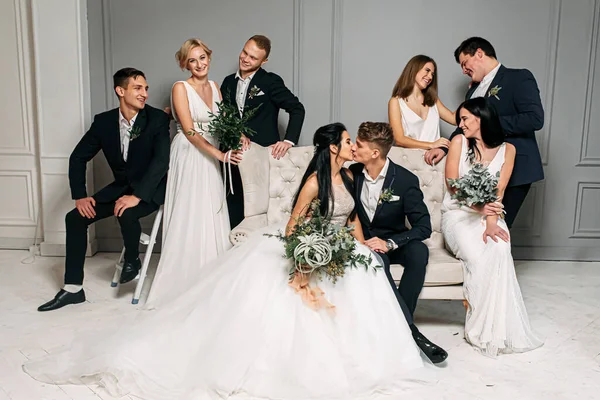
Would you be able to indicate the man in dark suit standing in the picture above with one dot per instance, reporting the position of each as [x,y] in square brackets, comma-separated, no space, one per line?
[515,95]
[135,141]
[250,87]
[386,195]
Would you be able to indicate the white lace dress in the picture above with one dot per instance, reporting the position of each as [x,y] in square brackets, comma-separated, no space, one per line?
[196,223]
[240,332]
[497,320]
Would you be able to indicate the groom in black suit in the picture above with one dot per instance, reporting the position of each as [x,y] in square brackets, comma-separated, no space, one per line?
[250,87]
[135,141]
[387,194]
[515,95]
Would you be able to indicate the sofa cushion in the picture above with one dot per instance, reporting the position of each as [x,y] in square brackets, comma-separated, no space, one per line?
[285,176]
[443,269]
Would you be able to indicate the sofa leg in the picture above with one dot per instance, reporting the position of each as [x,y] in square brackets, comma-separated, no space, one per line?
[466,305]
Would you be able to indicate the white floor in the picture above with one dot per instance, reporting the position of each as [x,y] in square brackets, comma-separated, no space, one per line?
[563,300]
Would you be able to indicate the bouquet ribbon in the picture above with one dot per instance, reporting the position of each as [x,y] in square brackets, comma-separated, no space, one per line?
[313,297]
[226,168]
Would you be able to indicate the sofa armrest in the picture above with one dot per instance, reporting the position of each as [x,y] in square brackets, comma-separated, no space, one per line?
[247,226]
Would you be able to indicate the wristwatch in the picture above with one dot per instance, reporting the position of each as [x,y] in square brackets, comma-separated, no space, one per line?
[390,244]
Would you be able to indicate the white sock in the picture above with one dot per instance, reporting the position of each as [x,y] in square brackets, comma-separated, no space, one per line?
[72,288]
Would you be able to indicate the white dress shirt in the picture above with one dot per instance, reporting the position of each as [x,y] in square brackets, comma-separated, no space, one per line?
[124,128]
[485,83]
[242,92]
[371,190]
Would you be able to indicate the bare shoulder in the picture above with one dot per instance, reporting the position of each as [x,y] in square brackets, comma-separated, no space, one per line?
[457,140]
[393,102]
[312,183]
[510,149]
[178,88]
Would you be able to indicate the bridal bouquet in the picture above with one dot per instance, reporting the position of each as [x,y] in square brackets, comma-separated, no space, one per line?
[320,247]
[227,125]
[476,187]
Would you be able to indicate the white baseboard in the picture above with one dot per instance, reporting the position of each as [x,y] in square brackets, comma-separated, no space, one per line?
[558,253]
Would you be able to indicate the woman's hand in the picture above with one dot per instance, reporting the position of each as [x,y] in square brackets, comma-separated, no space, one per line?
[490,209]
[494,231]
[235,157]
[441,142]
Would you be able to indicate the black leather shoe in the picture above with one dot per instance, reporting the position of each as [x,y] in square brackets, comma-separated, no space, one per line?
[434,352]
[130,270]
[63,298]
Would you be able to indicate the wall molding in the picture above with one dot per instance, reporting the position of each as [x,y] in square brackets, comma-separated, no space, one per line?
[538,191]
[550,81]
[108,60]
[336,61]
[578,231]
[556,253]
[298,42]
[31,200]
[584,159]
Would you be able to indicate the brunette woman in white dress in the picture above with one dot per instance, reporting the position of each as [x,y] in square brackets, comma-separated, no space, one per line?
[414,111]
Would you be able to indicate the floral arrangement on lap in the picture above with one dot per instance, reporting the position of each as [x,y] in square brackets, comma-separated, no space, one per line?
[320,248]
[477,187]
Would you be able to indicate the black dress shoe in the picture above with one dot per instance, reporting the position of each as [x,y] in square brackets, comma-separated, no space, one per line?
[434,352]
[130,270]
[63,298]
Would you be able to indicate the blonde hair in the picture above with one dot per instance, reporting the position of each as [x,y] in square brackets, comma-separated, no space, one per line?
[182,54]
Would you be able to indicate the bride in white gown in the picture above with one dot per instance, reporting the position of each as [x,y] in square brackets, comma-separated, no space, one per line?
[196,222]
[496,320]
[241,332]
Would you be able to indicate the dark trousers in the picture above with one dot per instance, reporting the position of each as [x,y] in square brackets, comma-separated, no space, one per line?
[77,227]
[235,201]
[514,196]
[414,257]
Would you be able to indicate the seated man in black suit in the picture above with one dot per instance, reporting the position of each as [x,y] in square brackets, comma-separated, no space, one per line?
[515,95]
[135,141]
[387,194]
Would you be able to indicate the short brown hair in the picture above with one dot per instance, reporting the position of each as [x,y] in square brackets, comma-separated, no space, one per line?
[379,134]
[182,54]
[263,43]
[406,83]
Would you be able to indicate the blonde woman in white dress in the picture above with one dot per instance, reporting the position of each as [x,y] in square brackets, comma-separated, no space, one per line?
[414,111]
[496,320]
[196,223]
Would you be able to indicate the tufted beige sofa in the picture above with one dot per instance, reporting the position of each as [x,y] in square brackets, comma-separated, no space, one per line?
[269,187]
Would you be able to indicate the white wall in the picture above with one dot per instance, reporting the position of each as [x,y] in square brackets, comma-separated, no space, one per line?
[19,168]
[341,57]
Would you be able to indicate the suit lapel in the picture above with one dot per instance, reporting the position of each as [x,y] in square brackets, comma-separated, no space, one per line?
[256,79]
[113,136]
[471,90]
[140,124]
[390,177]
[496,81]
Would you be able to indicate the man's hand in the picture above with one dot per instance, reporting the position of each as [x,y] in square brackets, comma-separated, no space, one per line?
[169,112]
[376,244]
[245,142]
[279,149]
[124,203]
[434,156]
[86,206]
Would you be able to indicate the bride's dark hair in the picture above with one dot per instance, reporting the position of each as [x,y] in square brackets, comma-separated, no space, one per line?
[489,123]
[321,165]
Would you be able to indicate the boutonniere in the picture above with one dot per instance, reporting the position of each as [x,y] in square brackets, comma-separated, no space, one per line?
[386,196]
[134,133]
[255,92]
[494,92]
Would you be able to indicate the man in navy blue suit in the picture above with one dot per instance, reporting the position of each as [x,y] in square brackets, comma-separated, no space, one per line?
[515,95]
